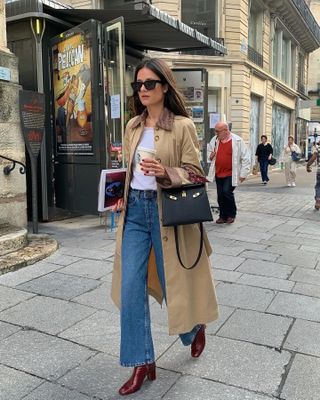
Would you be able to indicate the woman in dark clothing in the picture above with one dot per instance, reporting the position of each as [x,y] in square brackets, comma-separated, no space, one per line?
[263,155]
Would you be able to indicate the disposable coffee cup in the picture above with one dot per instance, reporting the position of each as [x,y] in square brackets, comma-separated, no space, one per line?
[143,153]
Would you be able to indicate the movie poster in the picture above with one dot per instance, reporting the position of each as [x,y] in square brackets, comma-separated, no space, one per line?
[72,95]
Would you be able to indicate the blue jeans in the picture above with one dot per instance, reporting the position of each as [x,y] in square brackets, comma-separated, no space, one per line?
[141,232]
[264,170]
[317,186]
[226,200]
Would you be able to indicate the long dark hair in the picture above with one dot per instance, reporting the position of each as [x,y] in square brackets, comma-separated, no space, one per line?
[173,99]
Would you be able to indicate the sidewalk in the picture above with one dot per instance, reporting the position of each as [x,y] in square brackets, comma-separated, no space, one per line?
[59,331]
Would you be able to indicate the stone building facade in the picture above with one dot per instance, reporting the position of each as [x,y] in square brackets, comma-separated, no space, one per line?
[13,204]
[314,71]
[257,86]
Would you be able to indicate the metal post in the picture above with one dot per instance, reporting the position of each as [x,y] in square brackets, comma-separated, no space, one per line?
[38,35]
[34,173]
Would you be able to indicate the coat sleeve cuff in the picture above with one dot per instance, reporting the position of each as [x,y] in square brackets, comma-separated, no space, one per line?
[176,178]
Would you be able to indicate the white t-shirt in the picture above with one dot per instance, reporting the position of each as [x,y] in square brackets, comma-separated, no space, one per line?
[139,180]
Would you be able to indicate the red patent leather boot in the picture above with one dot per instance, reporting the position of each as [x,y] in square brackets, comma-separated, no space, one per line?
[137,378]
[199,342]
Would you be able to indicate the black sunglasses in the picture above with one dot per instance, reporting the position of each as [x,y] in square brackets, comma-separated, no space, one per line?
[149,85]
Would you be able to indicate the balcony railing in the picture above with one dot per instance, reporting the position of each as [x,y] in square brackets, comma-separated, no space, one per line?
[255,57]
[308,17]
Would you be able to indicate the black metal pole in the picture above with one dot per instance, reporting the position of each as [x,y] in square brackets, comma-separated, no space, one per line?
[34,165]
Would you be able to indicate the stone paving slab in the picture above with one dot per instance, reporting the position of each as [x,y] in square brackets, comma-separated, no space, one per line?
[303,381]
[253,238]
[265,268]
[98,298]
[15,278]
[235,363]
[266,282]
[308,290]
[189,387]
[224,314]
[252,298]
[250,246]
[225,275]
[42,355]
[225,261]
[88,269]
[227,250]
[101,331]
[296,305]
[304,337]
[9,297]
[50,391]
[61,259]
[256,327]
[159,315]
[87,253]
[284,239]
[306,260]
[259,255]
[305,275]
[60,286]
[7,330]
[102,377]
[15,384]
[46,314]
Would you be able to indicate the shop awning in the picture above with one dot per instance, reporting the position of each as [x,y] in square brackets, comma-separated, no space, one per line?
[146,27]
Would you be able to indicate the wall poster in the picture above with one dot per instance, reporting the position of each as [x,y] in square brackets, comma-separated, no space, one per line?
[71,61]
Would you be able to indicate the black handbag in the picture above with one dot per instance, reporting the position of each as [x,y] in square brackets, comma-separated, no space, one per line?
[295,156]
[272,161]
[185,205]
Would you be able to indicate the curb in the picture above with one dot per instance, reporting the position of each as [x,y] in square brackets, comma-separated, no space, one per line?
[38,248]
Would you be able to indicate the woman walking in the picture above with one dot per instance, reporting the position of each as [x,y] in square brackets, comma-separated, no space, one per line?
[290,153]
[263,155]
[146,261]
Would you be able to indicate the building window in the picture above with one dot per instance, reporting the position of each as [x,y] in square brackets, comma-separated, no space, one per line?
[301,74]
[255,33]
[200,15]
[283,57]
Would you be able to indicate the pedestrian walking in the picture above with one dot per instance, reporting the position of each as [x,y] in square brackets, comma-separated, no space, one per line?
[146,261]
[291,154]
[231,166]
[263,156]
[316,157]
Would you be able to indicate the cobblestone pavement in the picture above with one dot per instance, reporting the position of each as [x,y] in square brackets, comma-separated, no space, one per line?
[59,331]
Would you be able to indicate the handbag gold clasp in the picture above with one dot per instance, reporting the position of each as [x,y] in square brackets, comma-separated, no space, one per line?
[183,194]
[196,195]
[173,197]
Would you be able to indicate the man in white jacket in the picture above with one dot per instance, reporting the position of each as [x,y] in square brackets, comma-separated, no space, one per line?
[230,165]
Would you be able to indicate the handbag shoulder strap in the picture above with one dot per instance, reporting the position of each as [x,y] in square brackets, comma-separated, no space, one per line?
[178,249]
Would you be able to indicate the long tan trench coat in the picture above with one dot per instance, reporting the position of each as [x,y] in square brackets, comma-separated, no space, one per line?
[191,297]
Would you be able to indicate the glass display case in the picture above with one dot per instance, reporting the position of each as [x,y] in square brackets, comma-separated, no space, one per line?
[193,84]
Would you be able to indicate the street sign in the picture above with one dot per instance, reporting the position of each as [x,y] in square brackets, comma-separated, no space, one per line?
[32,120]
[32,123]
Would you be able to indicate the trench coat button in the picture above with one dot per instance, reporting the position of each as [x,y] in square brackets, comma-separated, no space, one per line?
[156,138]
[157,128]
[165,238]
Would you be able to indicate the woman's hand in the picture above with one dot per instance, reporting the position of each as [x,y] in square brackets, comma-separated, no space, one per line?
[118,206]
[152,167]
